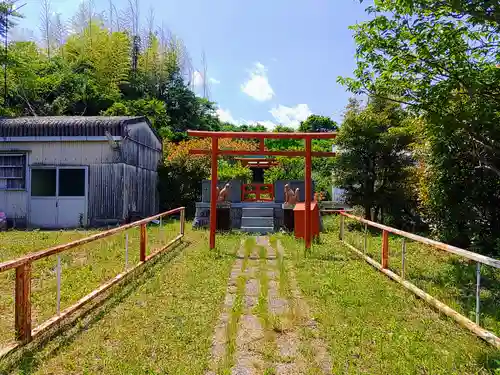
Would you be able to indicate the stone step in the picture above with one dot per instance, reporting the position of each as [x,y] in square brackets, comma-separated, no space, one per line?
[261,230]
[257,221]
[258,212]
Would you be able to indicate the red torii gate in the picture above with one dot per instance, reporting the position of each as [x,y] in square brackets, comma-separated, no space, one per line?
[307,153]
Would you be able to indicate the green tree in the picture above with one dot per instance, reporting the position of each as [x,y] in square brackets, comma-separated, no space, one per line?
[233,171]
[440,58]
[284,144]
[316,124]
[94,74]
[154,109]
[287,169]
[374,159]
[8,16]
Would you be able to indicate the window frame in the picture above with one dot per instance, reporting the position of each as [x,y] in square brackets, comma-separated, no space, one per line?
[24,155]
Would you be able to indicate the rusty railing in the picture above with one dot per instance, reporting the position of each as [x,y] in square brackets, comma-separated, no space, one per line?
[401,278]
[23,266]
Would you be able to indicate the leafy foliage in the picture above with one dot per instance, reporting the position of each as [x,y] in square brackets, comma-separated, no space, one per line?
[287,169]
[94,73]
[315,124]
[374,161]
[233,171]
[441,59]
[182,173]
[8,15]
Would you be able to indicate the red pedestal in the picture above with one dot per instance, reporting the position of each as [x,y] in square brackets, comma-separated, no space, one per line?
[300,220]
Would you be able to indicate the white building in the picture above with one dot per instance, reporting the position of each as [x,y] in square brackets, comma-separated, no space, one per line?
[63,172]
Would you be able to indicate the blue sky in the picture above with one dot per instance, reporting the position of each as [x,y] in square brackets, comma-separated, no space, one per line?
[268,61]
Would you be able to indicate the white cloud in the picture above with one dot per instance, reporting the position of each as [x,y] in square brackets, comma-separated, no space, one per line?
[288,116]
[257,86]
[267,124]
[197,79]
[226,116]
[291,116]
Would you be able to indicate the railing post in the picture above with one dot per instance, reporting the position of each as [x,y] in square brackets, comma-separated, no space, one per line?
[58,276]
[23,303]
[142,254]
[341,232]
[403,258]
[160,230]
[478,290]
[183,220]
[385,249]
[126,251]
[366,238]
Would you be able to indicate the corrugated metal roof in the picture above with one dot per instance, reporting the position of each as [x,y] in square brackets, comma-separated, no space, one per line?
[65,126]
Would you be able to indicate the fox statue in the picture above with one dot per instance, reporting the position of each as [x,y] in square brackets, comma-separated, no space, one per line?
[291,197]
[222,195]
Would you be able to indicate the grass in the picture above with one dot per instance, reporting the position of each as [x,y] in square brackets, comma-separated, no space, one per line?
[448,277]
[261,308]
[83,268]
[373,325]
[268,348]
[236,311]
[160,322]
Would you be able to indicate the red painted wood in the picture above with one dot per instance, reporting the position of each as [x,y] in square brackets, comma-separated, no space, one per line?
[308,154]
[142,249]
[259,190]
[213,192]
[438,245]
[23,266]
[263,153]
[23,303]
[14,263]
[258,135]
[385,249]
[300,218]
[308,191]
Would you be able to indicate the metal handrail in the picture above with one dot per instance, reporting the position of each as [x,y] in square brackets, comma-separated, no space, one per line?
[23,265]
[384,268]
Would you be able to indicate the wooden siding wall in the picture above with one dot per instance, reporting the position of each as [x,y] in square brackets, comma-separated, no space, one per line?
[117,190]
[141,148]
[140,193]
[106,183]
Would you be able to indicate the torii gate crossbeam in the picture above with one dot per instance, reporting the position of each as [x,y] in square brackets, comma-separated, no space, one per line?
[307,153]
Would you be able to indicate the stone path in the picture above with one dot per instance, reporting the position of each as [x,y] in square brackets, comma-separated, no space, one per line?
[265,326]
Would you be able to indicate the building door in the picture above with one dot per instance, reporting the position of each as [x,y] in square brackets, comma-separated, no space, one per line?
[43,203]
[58,197]
[71,197]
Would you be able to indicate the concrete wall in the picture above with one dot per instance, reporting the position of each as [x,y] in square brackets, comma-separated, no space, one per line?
[279,190]
[235,191]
